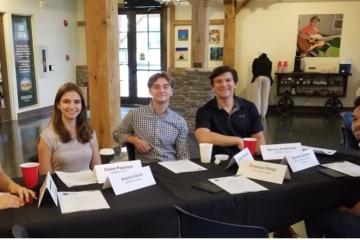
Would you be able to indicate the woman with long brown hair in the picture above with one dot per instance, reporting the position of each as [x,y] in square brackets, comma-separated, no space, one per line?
[68,144]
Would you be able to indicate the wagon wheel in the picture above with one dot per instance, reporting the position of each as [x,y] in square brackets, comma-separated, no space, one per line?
[333,106]
[285,105]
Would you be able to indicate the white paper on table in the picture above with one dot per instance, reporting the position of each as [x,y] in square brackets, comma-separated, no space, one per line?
[319,150]
[181,166]
[77,178]
[237,184]
[81,201]
[345,167]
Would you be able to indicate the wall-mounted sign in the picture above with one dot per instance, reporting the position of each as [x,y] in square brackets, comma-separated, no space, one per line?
[24,61]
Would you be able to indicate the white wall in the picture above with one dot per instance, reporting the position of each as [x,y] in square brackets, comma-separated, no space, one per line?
[47,29]
[271,26]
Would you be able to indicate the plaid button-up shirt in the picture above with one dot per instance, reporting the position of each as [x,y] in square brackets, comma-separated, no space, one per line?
[166,134]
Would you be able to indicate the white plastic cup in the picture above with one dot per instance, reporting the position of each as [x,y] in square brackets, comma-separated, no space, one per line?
[205,152]
[107,155]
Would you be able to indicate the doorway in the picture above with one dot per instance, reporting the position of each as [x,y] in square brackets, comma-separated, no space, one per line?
[142,51]
[5,111]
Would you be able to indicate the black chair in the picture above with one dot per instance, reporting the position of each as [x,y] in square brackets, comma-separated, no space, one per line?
[130,149]
[33,158]
[19,231]
[193,226]
[193,146]
[348,139]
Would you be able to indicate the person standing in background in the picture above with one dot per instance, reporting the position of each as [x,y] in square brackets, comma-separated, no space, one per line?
[261,69]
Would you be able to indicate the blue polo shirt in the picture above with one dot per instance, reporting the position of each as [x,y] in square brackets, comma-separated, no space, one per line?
[243,121]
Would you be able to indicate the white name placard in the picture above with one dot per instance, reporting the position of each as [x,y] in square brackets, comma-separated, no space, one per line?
[279,151]
[302,160]
[131,180]
[242,155]
[265,171]
[320,150]
[50,188]
[104,170]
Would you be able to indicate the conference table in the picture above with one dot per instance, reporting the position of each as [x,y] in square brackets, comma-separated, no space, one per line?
[149,212]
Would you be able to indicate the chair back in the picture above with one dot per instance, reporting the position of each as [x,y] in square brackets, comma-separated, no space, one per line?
[33,158]
[193,146]
[19,232]
[348,139]
[193,226]
[130,149]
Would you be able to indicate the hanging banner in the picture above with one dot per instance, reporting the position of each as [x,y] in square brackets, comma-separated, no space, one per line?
[24,61]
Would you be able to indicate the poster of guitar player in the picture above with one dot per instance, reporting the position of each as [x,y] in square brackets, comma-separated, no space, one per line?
[319,35]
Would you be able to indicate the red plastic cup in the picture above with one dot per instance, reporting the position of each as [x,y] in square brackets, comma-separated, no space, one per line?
[30,172]
[250,143]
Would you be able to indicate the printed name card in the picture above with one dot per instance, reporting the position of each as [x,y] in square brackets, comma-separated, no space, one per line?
[242,155]
[131,180]
[104,170]
[303,160]
[49,188]
[279,151]
[265,171]
[319,150]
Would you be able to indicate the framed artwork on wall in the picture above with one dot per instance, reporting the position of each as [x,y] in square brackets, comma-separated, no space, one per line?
[183,35]
[216,53]
[214,36]
[319,35]
[181,54]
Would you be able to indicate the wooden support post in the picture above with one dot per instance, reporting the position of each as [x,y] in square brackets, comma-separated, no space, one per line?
[103,67]
[171,12]
[199,33]
[229,32]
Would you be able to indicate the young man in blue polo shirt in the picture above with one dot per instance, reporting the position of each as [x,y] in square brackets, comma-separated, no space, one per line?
[226,119]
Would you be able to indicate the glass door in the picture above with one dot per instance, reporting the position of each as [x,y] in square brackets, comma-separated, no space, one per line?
[140,53]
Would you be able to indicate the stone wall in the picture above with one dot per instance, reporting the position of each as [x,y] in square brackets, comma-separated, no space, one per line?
[82,81]
[82,76]
[192,90]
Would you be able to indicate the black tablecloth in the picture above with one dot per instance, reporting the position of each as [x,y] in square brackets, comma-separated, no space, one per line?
[149,212]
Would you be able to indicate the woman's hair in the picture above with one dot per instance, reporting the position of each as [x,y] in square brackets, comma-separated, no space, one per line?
[83,129]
